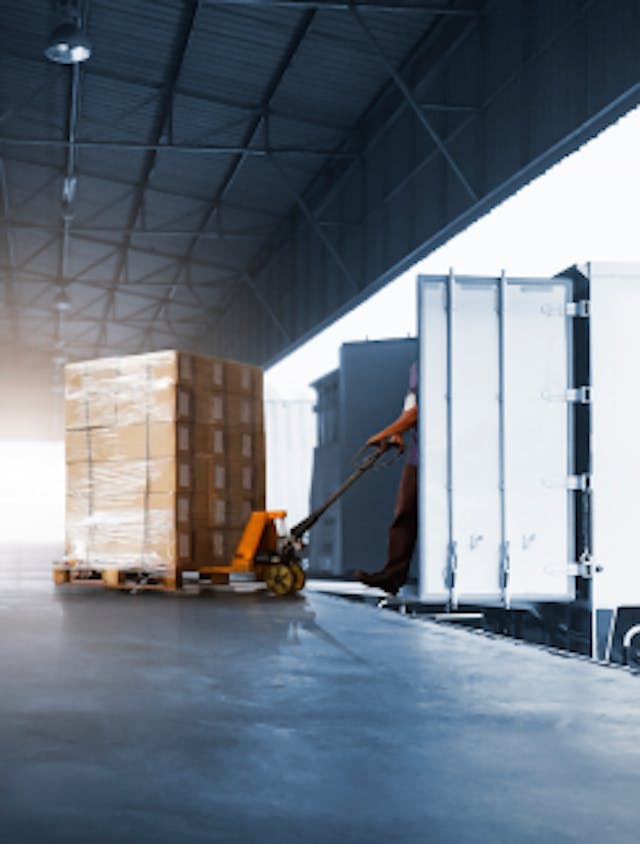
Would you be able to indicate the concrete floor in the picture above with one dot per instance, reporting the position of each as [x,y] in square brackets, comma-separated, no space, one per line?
[241,717]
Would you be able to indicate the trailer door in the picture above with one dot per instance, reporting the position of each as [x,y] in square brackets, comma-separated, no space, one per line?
[496,521]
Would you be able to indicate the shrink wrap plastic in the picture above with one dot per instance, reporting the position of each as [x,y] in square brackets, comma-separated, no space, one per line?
[165,460]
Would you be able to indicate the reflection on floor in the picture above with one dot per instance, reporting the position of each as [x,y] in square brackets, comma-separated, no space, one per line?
[238,716]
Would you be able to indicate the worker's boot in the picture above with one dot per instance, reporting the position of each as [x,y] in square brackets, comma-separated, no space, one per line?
[378,579]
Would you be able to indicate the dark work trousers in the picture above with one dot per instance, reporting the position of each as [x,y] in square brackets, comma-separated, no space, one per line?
[404,528]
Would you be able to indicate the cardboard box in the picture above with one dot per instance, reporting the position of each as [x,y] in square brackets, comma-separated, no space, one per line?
[217,441]
[114,482]
[169,508]
[170,439]
[159,445]
[122,504]
[208,373]
[239,412]
[77,445]
[155,366]
[128,442]
[209,511]
[218,511]
[170,551]
[100,396]
[257,415]
[76,413]
[241,378]
[90,399]
[210,408]
[210,475]
[119,444]
[215,547]
[168,475]
[242,478]
[168,402]
[78,480]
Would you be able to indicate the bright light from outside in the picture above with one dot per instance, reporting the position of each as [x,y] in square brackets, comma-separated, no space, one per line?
[31,492]
[583,209]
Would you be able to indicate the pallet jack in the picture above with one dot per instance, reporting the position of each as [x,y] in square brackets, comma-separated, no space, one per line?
[263,550]
[276,558]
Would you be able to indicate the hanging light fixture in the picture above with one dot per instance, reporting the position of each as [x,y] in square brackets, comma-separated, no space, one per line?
[68,43]
[61,300]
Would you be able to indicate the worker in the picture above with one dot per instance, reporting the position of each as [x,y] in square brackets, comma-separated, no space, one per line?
[404,527]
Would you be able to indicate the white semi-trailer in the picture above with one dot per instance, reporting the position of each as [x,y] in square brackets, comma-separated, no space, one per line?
[530,450]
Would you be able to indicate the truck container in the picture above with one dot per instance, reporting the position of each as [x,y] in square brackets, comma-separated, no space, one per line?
[529,451]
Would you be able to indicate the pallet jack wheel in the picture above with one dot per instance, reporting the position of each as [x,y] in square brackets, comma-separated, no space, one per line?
[280,578]
[299,577]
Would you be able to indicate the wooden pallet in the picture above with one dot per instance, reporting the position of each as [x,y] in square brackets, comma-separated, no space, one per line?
[133,579]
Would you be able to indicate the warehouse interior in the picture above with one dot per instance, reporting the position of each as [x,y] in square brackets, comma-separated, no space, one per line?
[226,178]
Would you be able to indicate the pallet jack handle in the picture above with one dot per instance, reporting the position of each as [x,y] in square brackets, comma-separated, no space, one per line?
[370,460]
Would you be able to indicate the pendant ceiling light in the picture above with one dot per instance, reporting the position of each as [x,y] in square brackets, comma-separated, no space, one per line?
[68,44]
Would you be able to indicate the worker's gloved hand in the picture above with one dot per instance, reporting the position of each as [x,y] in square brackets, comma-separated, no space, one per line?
[384,441]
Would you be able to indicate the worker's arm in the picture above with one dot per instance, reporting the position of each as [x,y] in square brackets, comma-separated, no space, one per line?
[392,434]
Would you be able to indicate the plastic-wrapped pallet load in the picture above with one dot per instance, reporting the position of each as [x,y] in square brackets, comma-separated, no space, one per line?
[165,461]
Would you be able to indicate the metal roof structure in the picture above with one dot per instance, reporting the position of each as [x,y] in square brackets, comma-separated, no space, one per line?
[227,176]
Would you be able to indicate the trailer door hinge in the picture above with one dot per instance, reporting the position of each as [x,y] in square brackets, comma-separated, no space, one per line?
[505,566]
[580,483]
[584,568]
[579,395]
[582,308]
[575,395]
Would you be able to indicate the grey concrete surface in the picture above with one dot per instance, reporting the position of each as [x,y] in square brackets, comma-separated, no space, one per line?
[241,717]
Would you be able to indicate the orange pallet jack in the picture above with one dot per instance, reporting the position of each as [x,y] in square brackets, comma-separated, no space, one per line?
[276,558]
[273,557]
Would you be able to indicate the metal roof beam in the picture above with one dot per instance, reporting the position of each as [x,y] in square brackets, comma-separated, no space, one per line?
[116,76]
[107,230]
[160,253]
[131,288]
[316,227]
[414,105]
[23,265]
[335,5]
[191,149]
[266,306]
[40,190]
[449,107]
[164,114]
[130,188]
[355,140]
[269,92]
[183,91]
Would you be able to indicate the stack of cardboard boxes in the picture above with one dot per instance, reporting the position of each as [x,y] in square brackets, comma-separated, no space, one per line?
[165,460]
